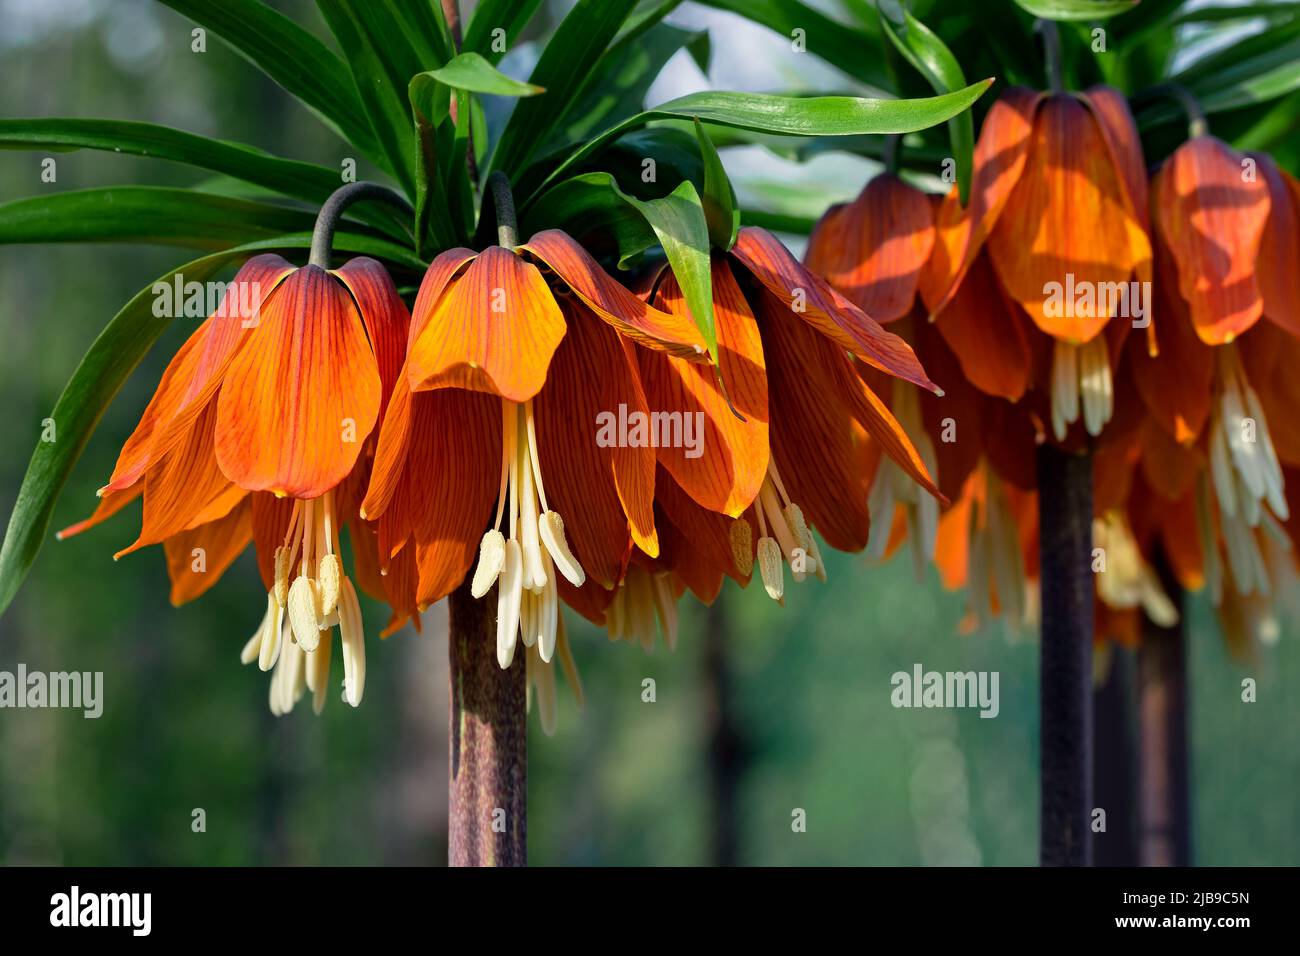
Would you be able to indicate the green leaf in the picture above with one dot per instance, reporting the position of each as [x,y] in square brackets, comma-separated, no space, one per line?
[146,214]
[1254,70]
[382,61]
[620,81]
[678,222]
[778,221]
[1076,9]
[291,57]
[720,209]
[492,15]
[790,116]
[563,70]
[843,47]
[471,72]
[287,176]
[922,48]
[591,207]
[111,359]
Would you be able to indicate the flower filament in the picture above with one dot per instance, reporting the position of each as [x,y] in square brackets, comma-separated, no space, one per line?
[318,598]
[524,563]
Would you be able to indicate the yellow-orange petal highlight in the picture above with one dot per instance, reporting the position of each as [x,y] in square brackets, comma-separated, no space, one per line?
[302,394]
[1211,218]
[494,330]
[724,463]
[873,249]
[1067,225]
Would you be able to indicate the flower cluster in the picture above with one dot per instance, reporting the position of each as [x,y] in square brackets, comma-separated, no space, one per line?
[458,443]
[1077,302]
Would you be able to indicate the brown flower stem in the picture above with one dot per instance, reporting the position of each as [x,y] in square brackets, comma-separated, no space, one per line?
[327,220]
[1065,657]
[1164,828]
[727,751]
[488,764]
[1114,761]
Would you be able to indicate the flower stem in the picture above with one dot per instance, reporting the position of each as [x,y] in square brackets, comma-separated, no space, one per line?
[1051,53]
[327,220]
[1197,124]
[488,764]
[504,200]
[1164,837]
[1065,657]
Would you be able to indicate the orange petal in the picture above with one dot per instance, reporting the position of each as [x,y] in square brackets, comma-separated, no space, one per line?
[999,161]
[834,316]
[1278,390]
[271,517]
[688,564]
[110,503]
[676,335]
[494,331]
[384,315]
[706,534]
[226,330]
[604,494]
[453,471]
[1279,248]
[1067,226]
[186,487]
[952,541]
[302,394]
[725,469]
[442,270]
[1212,220]
[1176,386]
[135,455]
[1119,130]
[812,426]
[873,249]
[986,333]
[390,452]
[1168,467]
[197,558]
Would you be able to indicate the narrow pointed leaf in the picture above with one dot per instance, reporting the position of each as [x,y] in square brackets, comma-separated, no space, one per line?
[289,177]
[791,116]
[290,56]
[563,70]
[146,214]
[1068,10]
[720,209]
[922,48]
[111,359]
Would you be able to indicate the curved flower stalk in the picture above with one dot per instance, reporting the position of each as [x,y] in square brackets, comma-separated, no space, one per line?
[1057,228]
[258,431]
[513,354]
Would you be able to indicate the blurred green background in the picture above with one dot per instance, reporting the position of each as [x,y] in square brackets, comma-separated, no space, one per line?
[805,690]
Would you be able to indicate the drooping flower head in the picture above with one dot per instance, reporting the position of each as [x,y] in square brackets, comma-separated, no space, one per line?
[1058,211]
[258,431]
[512,357]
